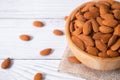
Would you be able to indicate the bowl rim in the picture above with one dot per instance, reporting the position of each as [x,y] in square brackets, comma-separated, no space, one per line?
[68,37]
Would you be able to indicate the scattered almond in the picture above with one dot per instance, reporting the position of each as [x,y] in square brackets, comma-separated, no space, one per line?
[45,52]
[38,24]
[73,59]
[6,63]
[38,76]
[58,32]
[25,37]
[65,18]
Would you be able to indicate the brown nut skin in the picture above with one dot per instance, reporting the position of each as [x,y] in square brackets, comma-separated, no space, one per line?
[92,50]
[73,59]
[103,55]
[38,76]
[95,25]
[115,5]
[78,42]
[38,24]
[87,28]
[117,30]
[117,14]
[112,53]
[99,20]
[110,23]
[88,41]
[58,32]
[45,52]
[6,63]
[103,9]
[25,37]
[91,15]
[105,29]
[112,40]
[116,45]
[100,45]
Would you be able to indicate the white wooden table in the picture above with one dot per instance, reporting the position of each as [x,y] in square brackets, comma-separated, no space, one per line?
[16,17]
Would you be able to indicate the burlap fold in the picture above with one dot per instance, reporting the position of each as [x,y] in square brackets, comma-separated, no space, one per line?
[84,72]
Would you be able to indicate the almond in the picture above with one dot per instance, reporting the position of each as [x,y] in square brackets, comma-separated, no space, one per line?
[102,3]
[88,41]
[91,15]
[103,9]
[92,8]
[115,5]
[25,37]
[103,55]
[116,45]
[112,40]
[79,23]
[65,18]
[80,17]
[38,24]
[110,23]
[117,14]
[78,42]
[117,30]
[105,37]
[86,7]
[105,29]
[99,20]
[38,76]
[97,35]
[87,28]
[58,32]
[100,45]
[95,25]
[6,63]
[107,16]
[46,51]
[77,32]
[92,51]
[73,59]
[112,53]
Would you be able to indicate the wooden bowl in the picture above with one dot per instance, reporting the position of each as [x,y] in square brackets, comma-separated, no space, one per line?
[90,61]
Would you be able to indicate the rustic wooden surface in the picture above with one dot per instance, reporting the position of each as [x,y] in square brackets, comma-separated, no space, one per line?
[16,18]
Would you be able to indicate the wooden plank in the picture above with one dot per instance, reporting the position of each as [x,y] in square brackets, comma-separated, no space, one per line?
[26,69]
[12,46]
[37,8]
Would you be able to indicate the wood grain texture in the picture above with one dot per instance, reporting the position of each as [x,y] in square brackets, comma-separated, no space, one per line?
[26,69]
[37,8]
[12,46]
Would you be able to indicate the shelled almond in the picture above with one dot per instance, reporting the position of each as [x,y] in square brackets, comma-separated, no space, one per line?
[96,28]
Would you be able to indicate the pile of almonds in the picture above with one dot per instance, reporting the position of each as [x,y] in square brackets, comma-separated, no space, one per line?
[95,28]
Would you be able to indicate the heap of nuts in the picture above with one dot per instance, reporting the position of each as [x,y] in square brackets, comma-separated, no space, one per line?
[95,28]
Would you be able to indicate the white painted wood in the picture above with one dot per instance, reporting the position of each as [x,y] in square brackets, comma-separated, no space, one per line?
[37,8]
[26,69]
[12,46]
